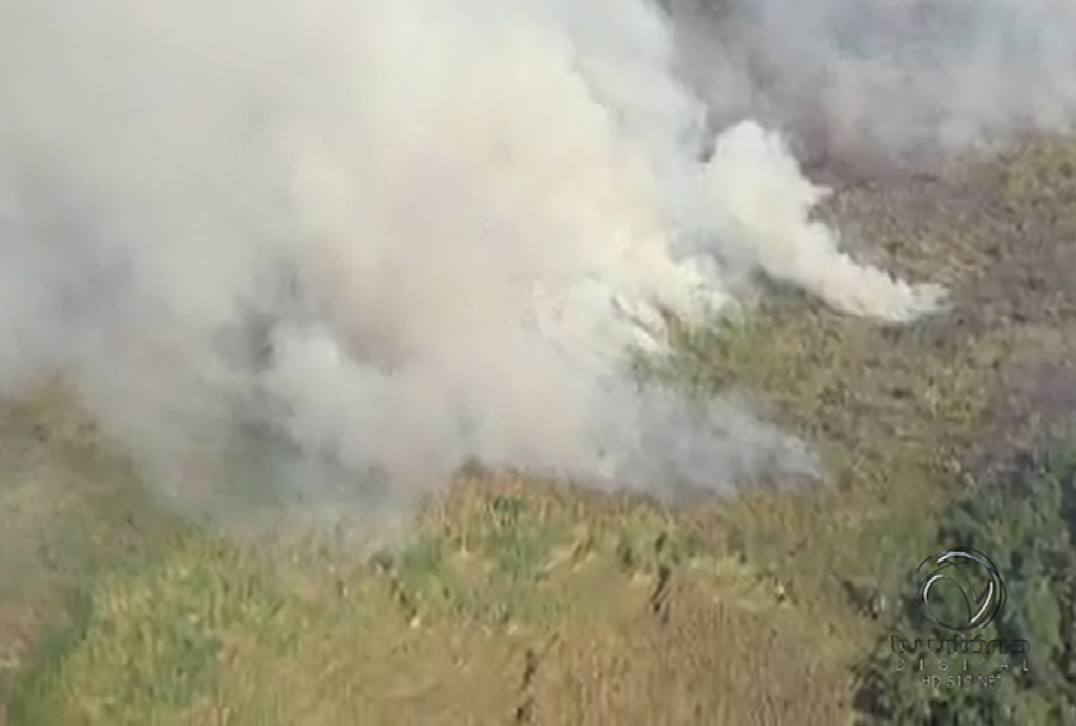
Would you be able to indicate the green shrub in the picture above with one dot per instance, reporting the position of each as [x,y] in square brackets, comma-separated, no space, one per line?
[1024,521]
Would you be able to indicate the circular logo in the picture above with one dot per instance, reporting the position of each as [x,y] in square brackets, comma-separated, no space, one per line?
[978,586]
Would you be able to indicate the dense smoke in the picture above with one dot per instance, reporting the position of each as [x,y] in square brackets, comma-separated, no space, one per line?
[884,80]
[384,237]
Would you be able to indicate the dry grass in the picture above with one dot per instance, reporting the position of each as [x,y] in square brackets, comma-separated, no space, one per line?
[518,606]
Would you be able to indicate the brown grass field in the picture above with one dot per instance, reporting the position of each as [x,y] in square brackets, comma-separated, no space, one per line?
[526,602]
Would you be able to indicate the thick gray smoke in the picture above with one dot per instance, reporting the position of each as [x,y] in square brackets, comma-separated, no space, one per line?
[387,236]
[898,80]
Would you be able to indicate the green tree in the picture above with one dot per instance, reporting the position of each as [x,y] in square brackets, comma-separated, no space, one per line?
[1024,521]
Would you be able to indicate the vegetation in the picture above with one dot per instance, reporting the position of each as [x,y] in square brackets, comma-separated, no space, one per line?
[518,602]
[1025,523]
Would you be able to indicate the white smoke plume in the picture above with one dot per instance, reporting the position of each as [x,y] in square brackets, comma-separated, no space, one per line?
[392,234]
[896,80]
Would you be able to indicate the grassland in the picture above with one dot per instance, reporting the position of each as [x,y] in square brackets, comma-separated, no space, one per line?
[531,602]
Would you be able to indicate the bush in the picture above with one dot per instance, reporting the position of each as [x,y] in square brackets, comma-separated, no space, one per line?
[1024,521]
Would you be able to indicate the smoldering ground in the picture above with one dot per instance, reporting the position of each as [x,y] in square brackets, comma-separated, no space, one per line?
[386,237]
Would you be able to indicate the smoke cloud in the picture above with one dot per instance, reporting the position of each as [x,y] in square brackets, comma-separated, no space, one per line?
[892,80]
[384,237]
